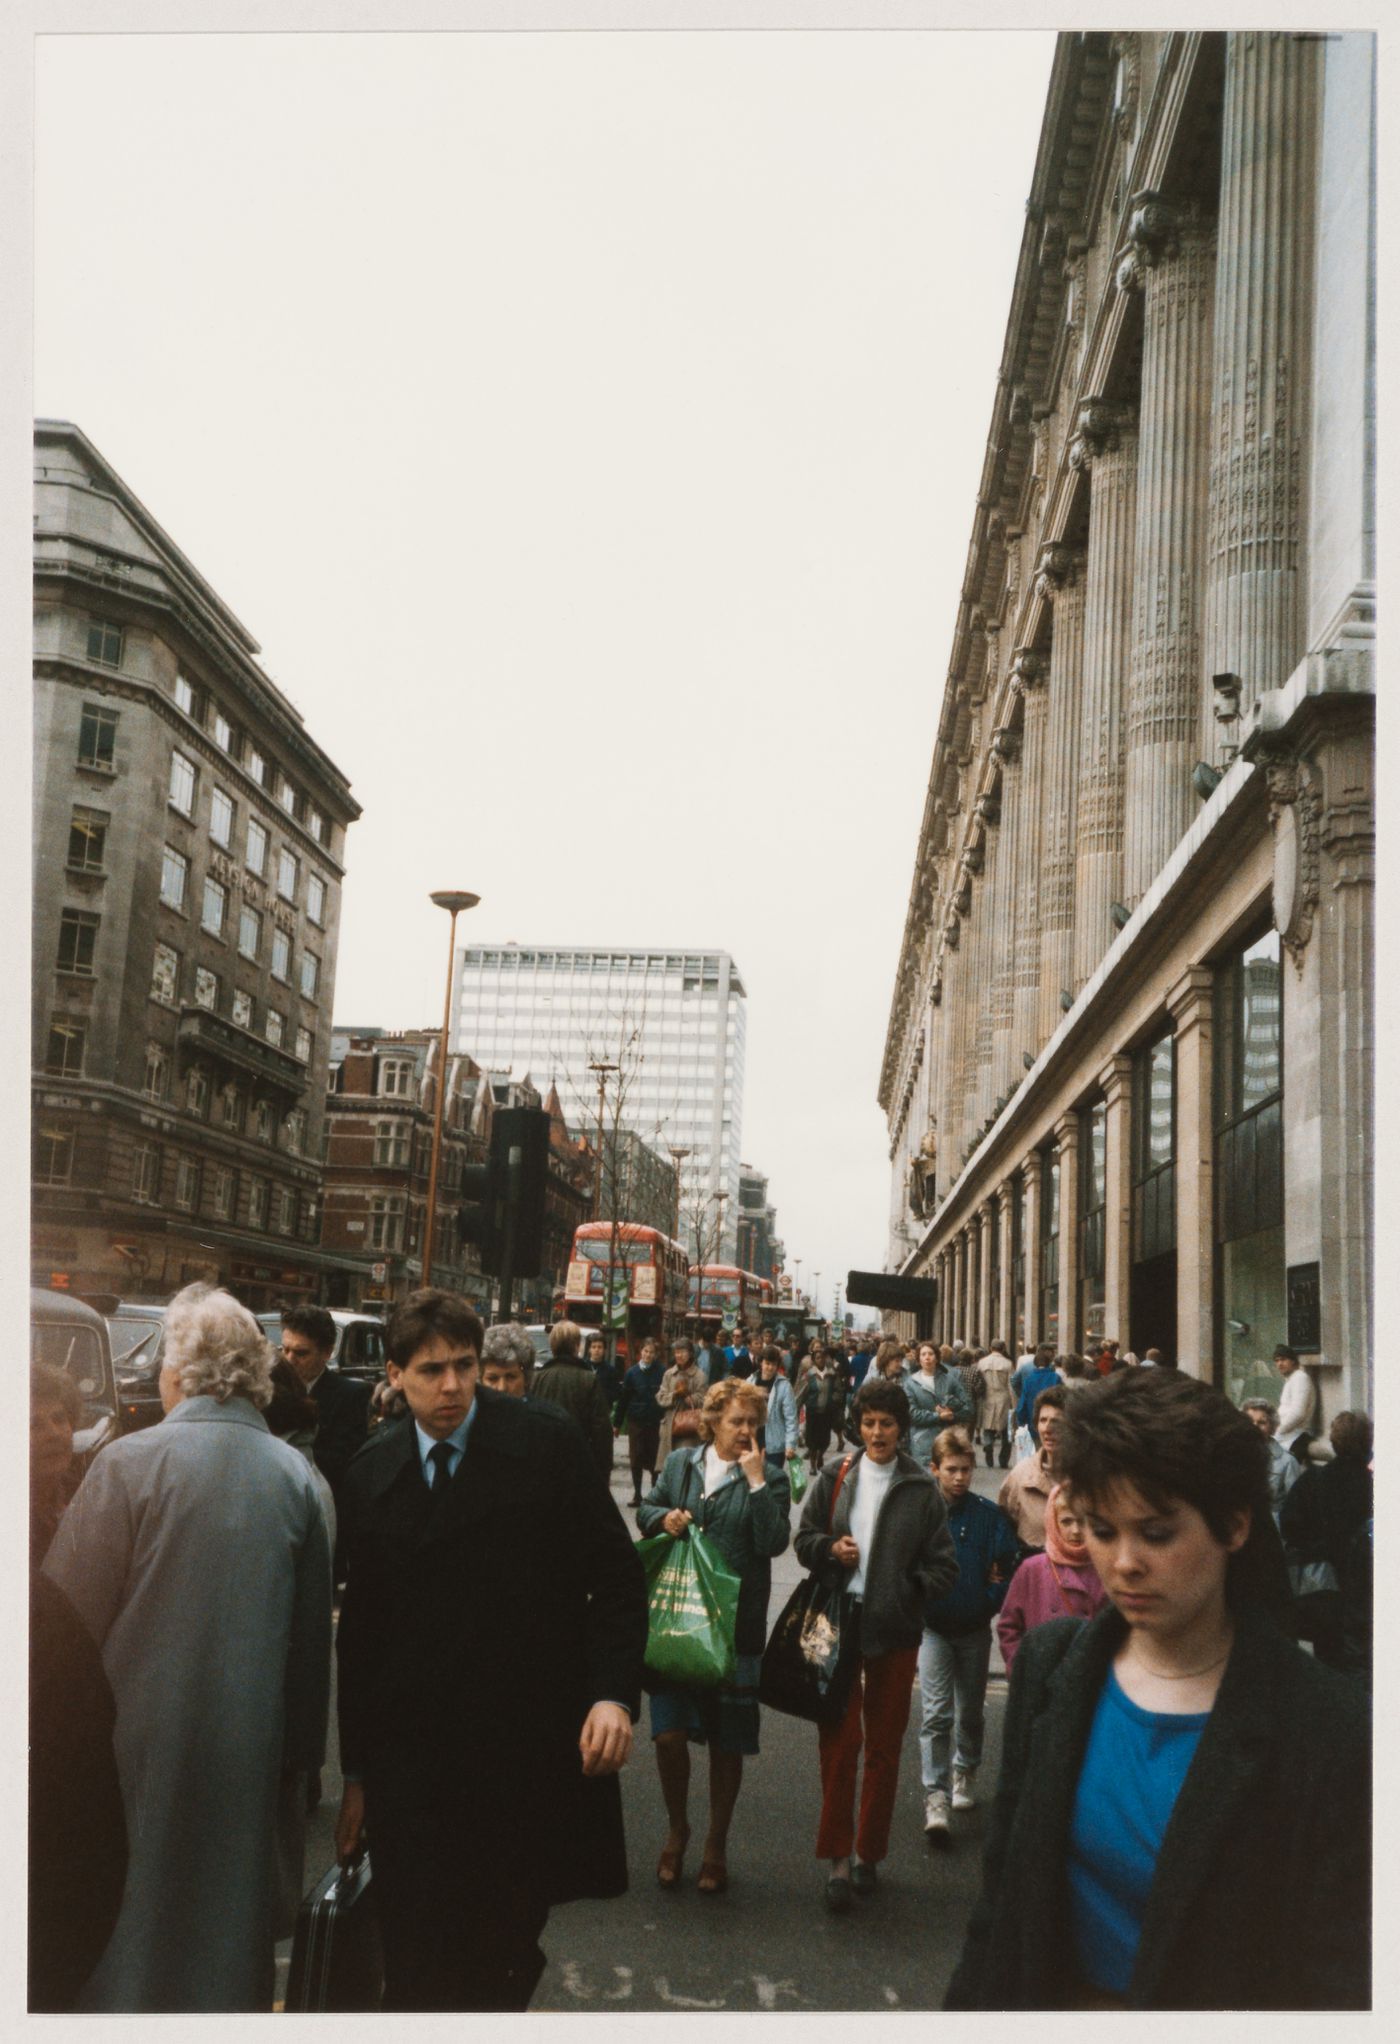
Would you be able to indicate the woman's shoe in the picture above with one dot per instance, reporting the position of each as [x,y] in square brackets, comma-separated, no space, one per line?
[713,1877]
[838,1894]
[668,1867]
[862,1878]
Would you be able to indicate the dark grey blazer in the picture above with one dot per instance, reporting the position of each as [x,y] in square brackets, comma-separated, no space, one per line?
[1262,1896]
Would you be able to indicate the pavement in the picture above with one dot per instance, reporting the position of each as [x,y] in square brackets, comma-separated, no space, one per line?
[768,1943]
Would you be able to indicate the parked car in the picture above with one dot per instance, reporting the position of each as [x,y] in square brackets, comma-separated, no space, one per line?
[540,1338]
[359,1341]
[136,1329]
[72,1336]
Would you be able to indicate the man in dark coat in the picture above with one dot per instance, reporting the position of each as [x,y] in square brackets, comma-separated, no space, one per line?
[490,1656]
[574,1388]
[342,1403]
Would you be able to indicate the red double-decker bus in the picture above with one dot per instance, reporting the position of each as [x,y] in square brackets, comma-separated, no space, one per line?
[721,1293]
[655,1268]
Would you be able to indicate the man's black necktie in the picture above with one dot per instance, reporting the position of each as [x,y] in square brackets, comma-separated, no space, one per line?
[440,1455]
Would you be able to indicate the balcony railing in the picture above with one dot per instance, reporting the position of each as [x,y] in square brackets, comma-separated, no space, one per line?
[226,1043]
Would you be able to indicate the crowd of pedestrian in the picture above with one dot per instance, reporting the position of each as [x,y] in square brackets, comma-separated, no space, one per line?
[1151,1560]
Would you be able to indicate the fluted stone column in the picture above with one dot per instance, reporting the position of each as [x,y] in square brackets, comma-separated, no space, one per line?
[1106,446]
[1061,577]
[1190,1004]
[959,1283]
[993,949]
[1255,615]
[1172,261]
[1003,1329]
[1031,671]
[1006,1062]
[1067,1148]
[1030,1174]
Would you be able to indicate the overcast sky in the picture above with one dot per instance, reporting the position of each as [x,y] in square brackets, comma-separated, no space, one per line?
[588,429]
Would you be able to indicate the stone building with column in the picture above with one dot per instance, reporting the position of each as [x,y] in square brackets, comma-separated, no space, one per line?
[1128,1072]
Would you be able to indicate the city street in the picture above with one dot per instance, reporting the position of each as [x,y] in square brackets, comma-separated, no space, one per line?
[769,1942]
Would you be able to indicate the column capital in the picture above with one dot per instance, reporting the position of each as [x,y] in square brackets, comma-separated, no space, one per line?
[1067,1133]
[1004,1194]
[1189,1001]
[1029,669]
[1099,426]
[1057,567]
[1154,226]
[1006,745]
[1116,1077]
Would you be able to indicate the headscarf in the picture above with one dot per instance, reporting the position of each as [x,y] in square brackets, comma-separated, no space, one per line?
[1068,1553]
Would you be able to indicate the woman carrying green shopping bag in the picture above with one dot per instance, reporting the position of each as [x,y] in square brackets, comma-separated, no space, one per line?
[741,1506]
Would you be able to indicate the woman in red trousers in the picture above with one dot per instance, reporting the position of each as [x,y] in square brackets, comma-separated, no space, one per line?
[874,1523]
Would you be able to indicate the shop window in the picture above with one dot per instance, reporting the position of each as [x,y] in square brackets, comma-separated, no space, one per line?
[1093,1176]
[1249,1178]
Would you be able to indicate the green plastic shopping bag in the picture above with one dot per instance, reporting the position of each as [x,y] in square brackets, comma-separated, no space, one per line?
[797,1480]
[692,1606]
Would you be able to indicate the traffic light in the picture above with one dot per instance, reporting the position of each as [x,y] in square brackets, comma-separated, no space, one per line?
[503,1209]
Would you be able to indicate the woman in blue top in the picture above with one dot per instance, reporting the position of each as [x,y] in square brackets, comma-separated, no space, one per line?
[1172,1766]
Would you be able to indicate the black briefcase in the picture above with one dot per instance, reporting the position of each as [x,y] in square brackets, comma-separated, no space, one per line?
[337,1960]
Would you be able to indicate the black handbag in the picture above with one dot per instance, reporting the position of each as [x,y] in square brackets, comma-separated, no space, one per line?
[337,1965]
[810,1659]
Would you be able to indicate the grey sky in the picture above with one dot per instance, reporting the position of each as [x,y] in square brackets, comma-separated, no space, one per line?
[588,429]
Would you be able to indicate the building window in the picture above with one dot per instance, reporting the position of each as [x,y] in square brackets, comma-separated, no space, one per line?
[145,1173]
[184,695]
[284,1210]
[221,1192]
[243,1008]
[396,1078]
[197,1091]
[257,1202]
[157,1076]
[53,1156]
[87,840]
[221,819]
[174,877]
[1249,1177]
[1093,1177]
[391,1143]
[256,765]
[1154,1150]
[165,975]
[304,1045]
[316,897]
[276,1023]
[249,933]
[294,1131]
[182,780]
[310,975]
[232,1108]
[77,941]
[264,1121]
[286,875]
[67,1042]
[257,846]
[186,1183]
[97,738]
[223,733]
[281,955]
[206,987]
[386,1221]
[215,908]
[286,795]
[104,642]
[316,824]
[1050,1248]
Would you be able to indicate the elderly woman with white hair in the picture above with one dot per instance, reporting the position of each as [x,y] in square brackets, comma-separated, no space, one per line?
[195,1553]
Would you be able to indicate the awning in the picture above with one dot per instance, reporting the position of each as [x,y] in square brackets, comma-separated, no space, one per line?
[894,1294]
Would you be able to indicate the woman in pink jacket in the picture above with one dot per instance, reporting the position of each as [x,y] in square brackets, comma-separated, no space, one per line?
[1061,1583]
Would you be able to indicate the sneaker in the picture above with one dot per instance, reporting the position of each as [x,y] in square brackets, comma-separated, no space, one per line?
[937,1824]
[862,1878]
[963,1797]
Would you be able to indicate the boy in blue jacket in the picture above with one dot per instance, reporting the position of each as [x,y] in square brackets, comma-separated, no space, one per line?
[957,1644]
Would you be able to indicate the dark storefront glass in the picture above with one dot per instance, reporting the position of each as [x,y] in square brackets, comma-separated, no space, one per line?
[1050,1248]
[1253,1312]
[1093,1167]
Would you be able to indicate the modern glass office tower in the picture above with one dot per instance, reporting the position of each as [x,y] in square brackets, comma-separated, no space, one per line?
[673,1020]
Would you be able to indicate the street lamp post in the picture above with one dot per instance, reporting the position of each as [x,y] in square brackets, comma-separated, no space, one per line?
[678,1155]
[602,1068]
[454,901]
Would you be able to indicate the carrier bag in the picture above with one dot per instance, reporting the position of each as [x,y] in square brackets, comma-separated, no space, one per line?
[813,1648]
[692,1608]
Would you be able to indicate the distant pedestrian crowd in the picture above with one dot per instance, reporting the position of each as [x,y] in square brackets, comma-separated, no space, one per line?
[1151,1562]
